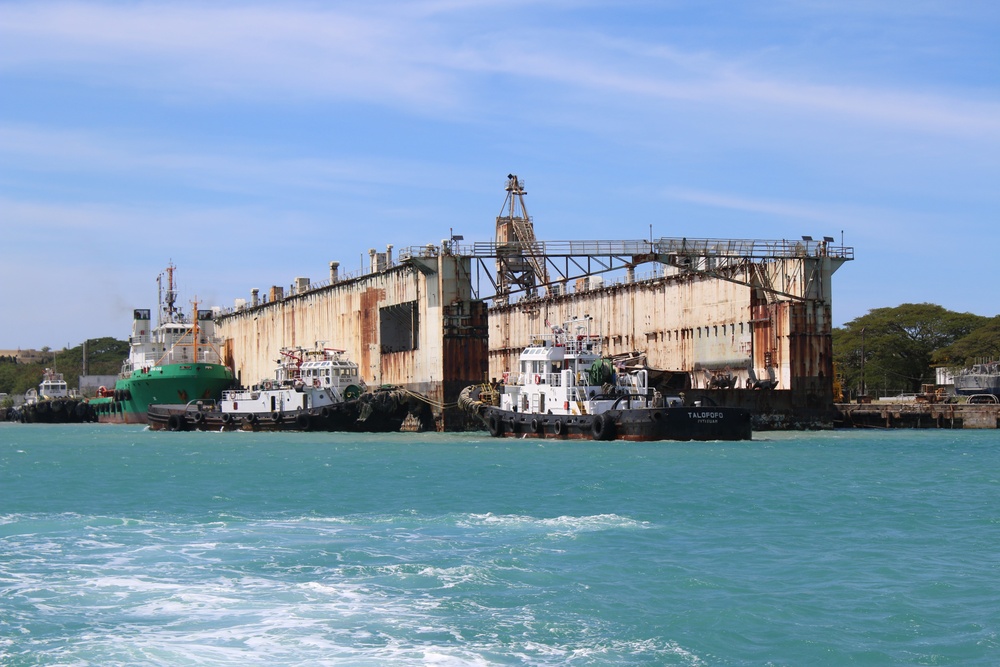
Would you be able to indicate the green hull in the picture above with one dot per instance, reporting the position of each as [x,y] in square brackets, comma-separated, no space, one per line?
[174,383]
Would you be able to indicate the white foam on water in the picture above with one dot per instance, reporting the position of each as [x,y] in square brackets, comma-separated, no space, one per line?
[400,589]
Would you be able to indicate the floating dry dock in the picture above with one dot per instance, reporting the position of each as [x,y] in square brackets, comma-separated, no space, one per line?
[732,322]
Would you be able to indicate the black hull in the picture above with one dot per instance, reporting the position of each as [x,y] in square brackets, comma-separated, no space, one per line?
[51,411]
[646,424]
[344,417]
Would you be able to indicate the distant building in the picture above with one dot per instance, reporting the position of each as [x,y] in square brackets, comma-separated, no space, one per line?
[28,356]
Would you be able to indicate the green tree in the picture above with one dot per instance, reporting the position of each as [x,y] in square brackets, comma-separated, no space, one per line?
[983,343]
[898,344]
[104,357]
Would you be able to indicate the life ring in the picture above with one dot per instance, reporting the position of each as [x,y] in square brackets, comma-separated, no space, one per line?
[494,425]
[268,385]
[557,428]
[316,382]
[538,378]
[602,428]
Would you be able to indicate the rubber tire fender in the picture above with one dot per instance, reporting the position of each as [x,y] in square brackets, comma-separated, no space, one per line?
[176,423]
[494,425]
[602,428]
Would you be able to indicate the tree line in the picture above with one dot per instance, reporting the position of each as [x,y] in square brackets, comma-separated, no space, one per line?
[899,347]
[104,357]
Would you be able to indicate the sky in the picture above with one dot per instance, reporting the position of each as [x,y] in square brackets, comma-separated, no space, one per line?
[250,143]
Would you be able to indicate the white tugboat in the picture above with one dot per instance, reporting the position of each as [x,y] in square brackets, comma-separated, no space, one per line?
[315,390]
[565,388]
[53,402]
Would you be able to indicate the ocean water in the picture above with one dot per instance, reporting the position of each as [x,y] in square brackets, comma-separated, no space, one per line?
[120,546]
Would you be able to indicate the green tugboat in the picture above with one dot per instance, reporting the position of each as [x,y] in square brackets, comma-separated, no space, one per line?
[175,362]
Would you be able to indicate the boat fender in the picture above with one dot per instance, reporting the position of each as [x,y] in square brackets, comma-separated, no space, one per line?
[557,428]
[602,428]
[199,417]
[494,425]
[276,417]
[175,423]
[324,413]
[250,419]
[536,425]
[302,421]
[226,418]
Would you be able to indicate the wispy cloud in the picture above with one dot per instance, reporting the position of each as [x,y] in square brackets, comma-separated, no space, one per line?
[231,169]
[241,51]
[418,57]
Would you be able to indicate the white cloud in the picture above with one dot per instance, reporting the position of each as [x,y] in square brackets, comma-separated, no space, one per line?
[248,51]
[419,57]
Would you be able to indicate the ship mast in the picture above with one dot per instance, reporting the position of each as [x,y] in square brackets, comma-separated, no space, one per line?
[168,312]
[194,329]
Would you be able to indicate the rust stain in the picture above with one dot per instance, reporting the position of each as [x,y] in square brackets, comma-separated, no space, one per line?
[368,325]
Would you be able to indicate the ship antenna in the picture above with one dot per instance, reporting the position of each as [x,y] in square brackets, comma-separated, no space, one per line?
[194,329]
[171,292]
[166,301]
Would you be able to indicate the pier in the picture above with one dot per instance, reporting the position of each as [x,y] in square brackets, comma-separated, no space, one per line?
[918,415]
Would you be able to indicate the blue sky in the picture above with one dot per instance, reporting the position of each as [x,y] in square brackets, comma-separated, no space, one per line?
[253,142]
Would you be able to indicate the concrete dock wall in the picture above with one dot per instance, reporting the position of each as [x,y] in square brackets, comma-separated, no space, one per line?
[918,415]
[698,324]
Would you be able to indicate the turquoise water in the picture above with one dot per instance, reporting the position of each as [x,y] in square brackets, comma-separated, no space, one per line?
[120,546]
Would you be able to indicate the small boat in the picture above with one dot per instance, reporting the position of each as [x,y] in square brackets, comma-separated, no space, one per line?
[316,390]
[565,388]
[53,403]
[981,378]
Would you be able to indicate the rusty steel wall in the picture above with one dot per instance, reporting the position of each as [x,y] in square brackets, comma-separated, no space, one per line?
[696,323]
[450,346]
